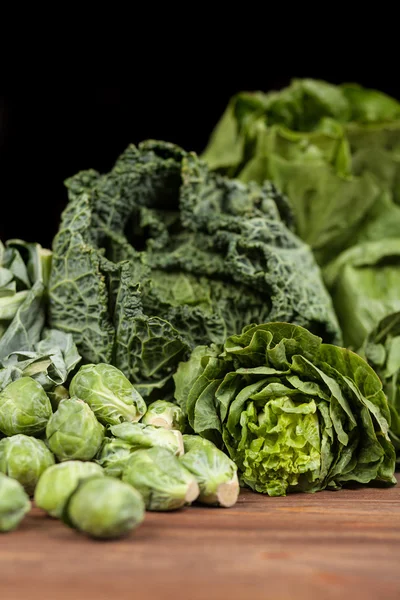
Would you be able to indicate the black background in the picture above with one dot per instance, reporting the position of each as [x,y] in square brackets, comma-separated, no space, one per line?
[48,134]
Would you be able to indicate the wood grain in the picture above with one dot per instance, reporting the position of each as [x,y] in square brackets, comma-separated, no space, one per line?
[330,545]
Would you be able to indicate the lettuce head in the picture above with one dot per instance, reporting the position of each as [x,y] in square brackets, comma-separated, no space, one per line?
[293,413]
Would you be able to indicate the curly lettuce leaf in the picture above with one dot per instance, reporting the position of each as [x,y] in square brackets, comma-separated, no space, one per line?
[294,414]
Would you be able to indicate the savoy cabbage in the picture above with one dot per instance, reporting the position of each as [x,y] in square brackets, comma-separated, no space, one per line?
[161,255]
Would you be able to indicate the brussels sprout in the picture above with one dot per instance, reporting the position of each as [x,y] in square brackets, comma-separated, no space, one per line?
[24,458]
[59,393]
[215,472]
[24,408]
[147,436]
[194,441]
[14,503]
[104,507]
[74,432]
[113,456]
[109,394]
[58,482]
[165,414]
[163,481]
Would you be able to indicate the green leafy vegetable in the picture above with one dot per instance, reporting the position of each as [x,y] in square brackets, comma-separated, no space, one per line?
[188,371]
[215,472]
[114,455]
[365,286]
[334,150]
[73,431]
[293,413]
[382,350]
[140,435]
[24,275]
[109,394]
[57,483]
[50,362]
[14,503]
[165,414]
[24,458]
[104,508]
[162,480]
[160,255]
[24,407]
[59,393]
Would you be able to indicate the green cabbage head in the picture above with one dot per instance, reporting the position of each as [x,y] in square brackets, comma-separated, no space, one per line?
[293,413]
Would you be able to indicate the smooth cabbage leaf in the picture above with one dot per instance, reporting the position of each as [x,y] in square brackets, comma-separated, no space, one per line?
[50,362]
[365,286]
[334,150]
[24,275]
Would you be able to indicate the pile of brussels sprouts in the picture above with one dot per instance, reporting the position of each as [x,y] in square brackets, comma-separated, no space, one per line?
[97,457]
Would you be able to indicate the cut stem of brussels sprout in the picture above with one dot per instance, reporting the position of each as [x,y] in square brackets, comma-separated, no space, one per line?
[215,472]
[158,422]
[226,494]
[192,492]
[161,478]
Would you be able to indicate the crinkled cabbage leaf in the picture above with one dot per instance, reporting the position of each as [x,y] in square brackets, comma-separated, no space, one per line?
[160,255]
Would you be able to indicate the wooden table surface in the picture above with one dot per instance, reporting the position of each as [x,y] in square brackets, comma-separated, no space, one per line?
[329,545]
